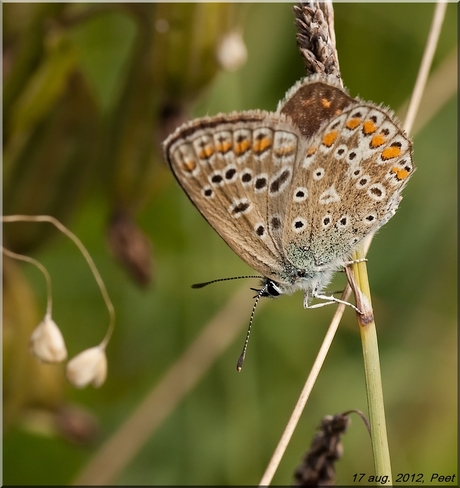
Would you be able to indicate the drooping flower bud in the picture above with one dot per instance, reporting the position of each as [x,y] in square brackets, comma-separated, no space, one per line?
[88,367]
[47,343]
[232,52]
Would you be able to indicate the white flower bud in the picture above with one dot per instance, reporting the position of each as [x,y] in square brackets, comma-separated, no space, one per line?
[88,367]
[47,343]
[232,52]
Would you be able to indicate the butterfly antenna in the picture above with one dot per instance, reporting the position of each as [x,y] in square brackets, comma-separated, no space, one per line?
[206,283]
[239,364]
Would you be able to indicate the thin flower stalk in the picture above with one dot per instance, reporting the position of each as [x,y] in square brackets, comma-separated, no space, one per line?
[86,255]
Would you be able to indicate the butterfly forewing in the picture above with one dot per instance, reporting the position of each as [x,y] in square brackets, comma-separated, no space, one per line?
[237,170]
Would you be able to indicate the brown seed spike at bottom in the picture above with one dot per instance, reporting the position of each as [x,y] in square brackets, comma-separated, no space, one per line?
[317,468]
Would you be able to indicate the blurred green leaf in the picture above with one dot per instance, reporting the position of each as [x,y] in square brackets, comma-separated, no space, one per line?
[104,44]
[45,86]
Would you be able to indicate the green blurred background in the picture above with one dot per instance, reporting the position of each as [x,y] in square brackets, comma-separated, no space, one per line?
[89,91]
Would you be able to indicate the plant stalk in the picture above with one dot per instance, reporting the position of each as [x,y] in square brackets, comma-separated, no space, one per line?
[372,372]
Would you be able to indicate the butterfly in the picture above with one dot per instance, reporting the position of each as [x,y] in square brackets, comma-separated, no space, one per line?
[294,192]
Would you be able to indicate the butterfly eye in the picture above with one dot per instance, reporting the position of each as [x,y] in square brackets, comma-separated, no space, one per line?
[273,289]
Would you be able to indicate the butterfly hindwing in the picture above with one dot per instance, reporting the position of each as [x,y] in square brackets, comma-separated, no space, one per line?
[352,173]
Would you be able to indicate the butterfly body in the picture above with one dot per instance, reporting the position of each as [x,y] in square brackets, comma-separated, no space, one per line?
[294,192]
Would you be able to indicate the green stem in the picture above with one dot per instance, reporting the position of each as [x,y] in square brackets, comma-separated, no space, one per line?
[372,373]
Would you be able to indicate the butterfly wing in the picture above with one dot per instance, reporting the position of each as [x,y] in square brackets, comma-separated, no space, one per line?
[347,184]
[230,166]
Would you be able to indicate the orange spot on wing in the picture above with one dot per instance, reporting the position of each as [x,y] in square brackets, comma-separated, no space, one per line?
[330,138]
[353,123]
[285,151]
[224,147]
[242,147]
[378,140]
[206,152]
[262,144]
[311,150]
[369,127]
[400,173]
[325,102]
[188,165]
[391,152]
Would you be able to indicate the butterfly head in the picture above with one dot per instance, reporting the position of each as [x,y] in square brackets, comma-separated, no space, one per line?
[300,275]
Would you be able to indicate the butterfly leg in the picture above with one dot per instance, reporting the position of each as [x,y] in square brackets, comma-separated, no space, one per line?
[328,300]
[360,260]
